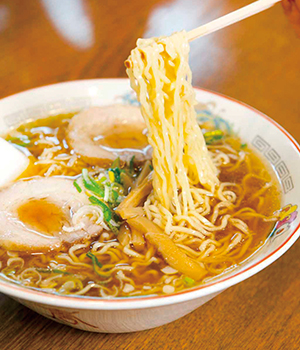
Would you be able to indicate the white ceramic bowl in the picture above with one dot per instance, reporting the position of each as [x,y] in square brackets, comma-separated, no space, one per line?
[139,313]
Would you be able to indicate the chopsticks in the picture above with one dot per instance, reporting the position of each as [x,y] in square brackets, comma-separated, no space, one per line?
[230,18]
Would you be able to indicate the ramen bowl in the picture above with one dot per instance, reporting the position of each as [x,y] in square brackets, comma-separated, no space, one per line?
[117,315]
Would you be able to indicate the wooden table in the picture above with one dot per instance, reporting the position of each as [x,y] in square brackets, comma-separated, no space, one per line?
[256,61]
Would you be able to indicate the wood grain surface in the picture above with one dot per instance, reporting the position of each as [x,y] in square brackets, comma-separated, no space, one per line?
[256,61]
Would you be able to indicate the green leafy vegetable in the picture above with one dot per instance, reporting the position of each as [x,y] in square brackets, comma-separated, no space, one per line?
[78,188]
[243,145]
[213,136]
[189,281]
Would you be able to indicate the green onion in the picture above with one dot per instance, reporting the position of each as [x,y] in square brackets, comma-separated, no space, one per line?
[116,163]
[115,195]
[22,141]
[106,210]
[108,213]
[78,188]
[94,259]
[213,136]
[131,164]
[243,145]
[60,271]
[91,185]
[117,172]
[103,179]
[53,271]
[151,167]
[113,228]
[96,263]
[189,281]
[117,186]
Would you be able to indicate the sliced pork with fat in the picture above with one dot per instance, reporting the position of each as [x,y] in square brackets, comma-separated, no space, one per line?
[36,215]
[105,133]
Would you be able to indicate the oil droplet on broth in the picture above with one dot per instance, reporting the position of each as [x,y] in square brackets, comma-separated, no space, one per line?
[42,216]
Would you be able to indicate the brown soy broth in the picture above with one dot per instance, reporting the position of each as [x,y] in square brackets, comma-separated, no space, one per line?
[51,128]
[272,196]
[54,129]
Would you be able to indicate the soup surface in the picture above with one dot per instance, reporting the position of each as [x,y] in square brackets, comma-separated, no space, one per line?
[118,260]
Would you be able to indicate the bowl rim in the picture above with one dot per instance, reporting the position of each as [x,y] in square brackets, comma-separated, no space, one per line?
[95,303]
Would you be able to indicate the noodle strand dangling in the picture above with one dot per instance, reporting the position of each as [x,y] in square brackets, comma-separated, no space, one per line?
[159,72]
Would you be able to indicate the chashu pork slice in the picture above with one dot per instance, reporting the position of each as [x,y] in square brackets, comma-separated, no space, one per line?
[102,134]
[36,215]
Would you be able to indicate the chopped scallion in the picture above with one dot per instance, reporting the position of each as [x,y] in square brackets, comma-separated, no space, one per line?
[115,195]
[78,188]
[117,173]
[106,210]
[103,179]
[189,281]
[91,185]
[60,271]
[53,271]
[113,228]
[213,136]
[94,259]
[96,263]
[22,141]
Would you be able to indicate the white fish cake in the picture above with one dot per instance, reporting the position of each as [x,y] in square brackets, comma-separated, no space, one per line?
[12,162]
